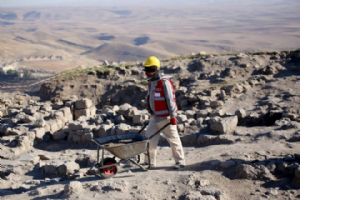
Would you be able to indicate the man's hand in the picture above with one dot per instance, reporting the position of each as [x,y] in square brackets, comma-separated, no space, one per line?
[173,121]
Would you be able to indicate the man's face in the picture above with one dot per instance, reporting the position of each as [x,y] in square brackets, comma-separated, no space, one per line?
[150,71]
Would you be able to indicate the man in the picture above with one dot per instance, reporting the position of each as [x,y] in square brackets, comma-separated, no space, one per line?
[161,104]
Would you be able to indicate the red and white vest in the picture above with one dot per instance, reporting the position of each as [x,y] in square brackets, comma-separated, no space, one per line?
[161,100]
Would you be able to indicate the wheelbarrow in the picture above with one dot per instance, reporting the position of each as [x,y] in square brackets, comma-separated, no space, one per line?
[126,147]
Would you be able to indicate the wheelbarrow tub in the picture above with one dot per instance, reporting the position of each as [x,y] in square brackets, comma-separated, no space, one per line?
[129,150]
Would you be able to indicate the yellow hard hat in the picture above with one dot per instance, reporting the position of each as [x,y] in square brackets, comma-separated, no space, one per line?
[152,61]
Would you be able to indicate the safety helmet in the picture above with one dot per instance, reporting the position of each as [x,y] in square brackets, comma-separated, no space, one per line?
[152,61]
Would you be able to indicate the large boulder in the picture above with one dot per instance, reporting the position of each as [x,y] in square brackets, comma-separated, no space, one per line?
[227,125]
[56,169]
[80,137]
[87,112]
[83,107]
[83,104]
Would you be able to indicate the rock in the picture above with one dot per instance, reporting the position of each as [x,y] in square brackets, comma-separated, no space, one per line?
[67,114]
[121,186]
[121,128]
[245,171]
[43,157]
[241,113]
[80,137]
[31,110]
[46,107]
[101,130]
[243,62]
[181,128]
[181,118]
[39,132]
[212,93]
[227,125]
[83,104]
[215,192]
[202,114]
[4,127]
[265,174]
[24,142]
[23,118]
[192,195]
[132,112]
[19,130]
[54,125]
[296,137]
[85,161]
[74,126]
[216,104]
[273,69]
[123,108]
[39,123]
[119,119]
[190,113]
[53,169]
[73,188]
[140,119]
[202,182]
[60,135]
[58,114]
[285,123]
[88,112]
[49,171]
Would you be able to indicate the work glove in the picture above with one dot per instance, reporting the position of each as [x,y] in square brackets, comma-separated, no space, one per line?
[173,121]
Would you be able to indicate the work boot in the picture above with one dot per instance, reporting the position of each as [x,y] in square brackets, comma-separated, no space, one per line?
[179,165]
[152,166]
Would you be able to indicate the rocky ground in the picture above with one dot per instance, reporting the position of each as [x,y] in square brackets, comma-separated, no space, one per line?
[239,121]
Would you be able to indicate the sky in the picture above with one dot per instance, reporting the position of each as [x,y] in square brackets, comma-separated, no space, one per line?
[6,3]
[36,3]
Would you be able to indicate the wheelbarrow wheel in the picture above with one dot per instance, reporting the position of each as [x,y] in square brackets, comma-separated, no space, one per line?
[107,172]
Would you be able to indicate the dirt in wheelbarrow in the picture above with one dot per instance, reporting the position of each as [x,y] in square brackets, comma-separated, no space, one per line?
[239,126]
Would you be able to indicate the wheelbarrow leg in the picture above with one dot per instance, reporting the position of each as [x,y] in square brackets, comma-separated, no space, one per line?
[140,166]
[148,154]
[98,155]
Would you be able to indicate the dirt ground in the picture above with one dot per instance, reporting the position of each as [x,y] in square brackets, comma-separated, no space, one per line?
[257,158]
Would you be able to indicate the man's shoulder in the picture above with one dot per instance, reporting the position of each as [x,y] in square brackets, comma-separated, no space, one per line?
[166,77]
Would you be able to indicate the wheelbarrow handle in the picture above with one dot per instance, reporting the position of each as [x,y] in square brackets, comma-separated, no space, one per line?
[145,125]
[159,131]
